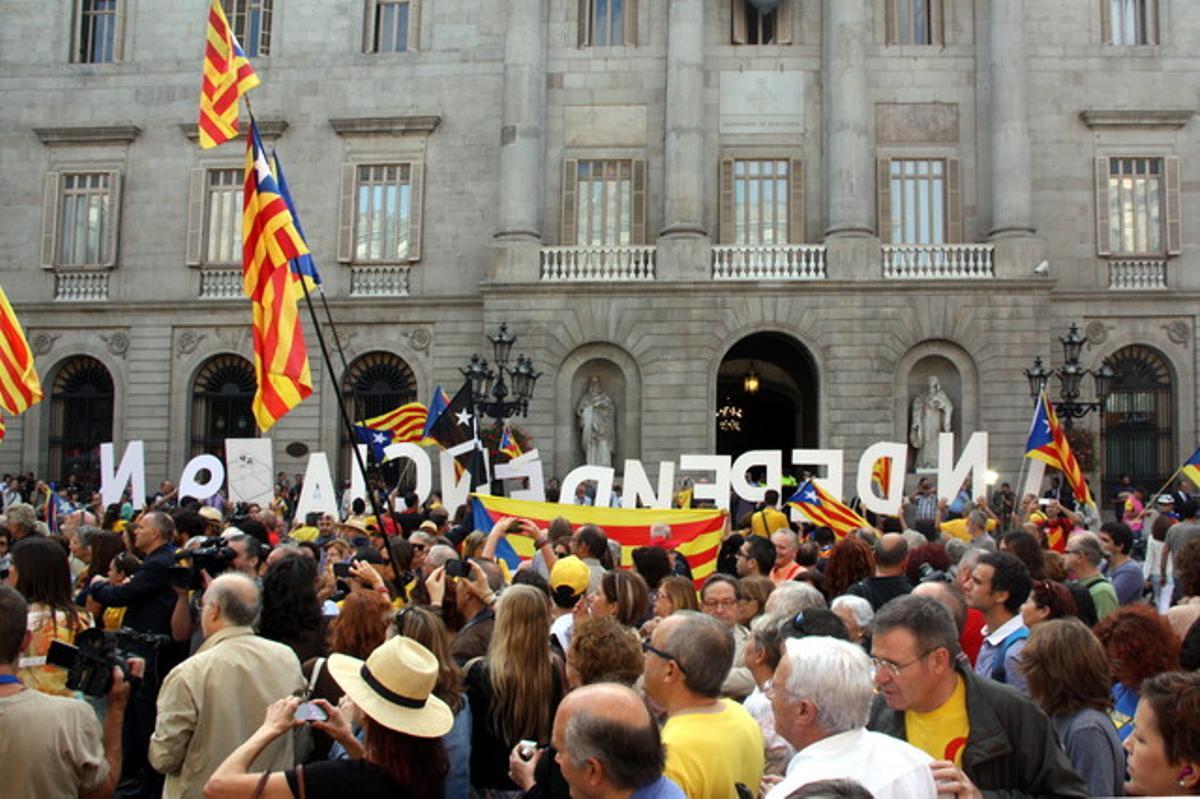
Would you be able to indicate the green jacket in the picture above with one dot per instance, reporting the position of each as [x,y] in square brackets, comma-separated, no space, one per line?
[1011,750]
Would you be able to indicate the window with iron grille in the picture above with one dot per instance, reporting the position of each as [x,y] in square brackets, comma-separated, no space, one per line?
[251,23]
[377,382]
[81,419]
[222,399]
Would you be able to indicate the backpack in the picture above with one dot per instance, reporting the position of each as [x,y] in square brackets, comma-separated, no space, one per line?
[999,673]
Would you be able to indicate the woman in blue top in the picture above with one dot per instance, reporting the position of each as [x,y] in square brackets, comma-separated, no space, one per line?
[1140,644]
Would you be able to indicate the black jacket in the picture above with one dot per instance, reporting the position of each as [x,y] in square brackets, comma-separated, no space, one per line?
[147,596]
[1011,750]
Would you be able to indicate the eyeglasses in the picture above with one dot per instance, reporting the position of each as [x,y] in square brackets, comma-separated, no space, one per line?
[646,647]
[1071,552]
[418,547]
[726,604]
[893,669]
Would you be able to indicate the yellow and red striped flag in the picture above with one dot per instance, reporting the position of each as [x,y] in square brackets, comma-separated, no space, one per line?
[269,241]
[3,428]
[19,383]
[822,508]
[508,444]
[881,475]
[1048,443]
[227,76]
[405,423]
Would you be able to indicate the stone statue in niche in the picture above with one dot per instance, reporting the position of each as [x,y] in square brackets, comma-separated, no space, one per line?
[932,413]
[597,424]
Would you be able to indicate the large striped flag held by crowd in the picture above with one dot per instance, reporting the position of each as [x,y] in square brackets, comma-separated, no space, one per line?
[19,383]
[269,242]
[227,76]
[824,509]
[1048,443]
[695,534]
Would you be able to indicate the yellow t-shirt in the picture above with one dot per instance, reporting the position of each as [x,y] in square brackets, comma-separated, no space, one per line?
[941,733]
[707,753]
[958,528]
[766,521]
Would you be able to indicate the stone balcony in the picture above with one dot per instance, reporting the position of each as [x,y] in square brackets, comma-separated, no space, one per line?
[1141,274]
[606,264]
[91,286]
[937,261]
[769,262]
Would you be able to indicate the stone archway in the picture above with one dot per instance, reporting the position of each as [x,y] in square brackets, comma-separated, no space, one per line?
[767,395]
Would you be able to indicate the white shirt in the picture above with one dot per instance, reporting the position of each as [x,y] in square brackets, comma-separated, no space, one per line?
[778,751]
[885,766]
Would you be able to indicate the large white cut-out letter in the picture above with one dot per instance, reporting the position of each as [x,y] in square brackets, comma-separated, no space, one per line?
[317,493]
[132,470]
[603,475]
[888,505]
[189,486]
[718,489]
[951,475]
[526,466]
[771,460]
[832,459]
[419,458]
[250,468]
[637,488]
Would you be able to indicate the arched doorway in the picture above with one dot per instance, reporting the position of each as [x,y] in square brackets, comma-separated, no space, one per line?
[222,399]
[1138,419]
[766,395]
[378,382]
[81,419]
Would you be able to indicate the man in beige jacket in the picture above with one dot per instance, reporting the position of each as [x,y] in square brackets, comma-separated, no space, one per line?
[212,702]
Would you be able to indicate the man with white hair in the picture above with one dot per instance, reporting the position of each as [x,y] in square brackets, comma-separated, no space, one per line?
[821,697]
[791,598]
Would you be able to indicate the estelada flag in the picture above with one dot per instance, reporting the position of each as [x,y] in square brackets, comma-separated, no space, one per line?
[405,423]
[1191,468]
[508,444]
[227,76]
[19,383]
[695,534]
[1048,443]
[822,508]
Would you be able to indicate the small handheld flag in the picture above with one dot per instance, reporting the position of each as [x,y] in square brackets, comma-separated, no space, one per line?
[227,76]
[1048,443]
[437,405]
[1191,468]
[824,509]
[377,440]
[405,423]
[508,444]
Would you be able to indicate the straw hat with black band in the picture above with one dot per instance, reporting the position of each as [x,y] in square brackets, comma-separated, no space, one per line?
[394,686]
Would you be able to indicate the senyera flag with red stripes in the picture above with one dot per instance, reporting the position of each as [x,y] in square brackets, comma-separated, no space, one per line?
[695,533]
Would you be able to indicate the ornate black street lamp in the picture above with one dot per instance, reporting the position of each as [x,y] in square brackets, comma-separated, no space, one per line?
[1070,376]
[490,388]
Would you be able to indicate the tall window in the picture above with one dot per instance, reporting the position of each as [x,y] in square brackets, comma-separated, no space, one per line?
[383,210]
[251,22]
[760,202]
[607,23]
[761,21]
[223,215]
[221,398]
[1135,206]
[1129,22]
[86,219]
[1136,424]
[378,382]
[918,201]
[392,25]
[914,22]
[605,192]
[81,419]
[97,31]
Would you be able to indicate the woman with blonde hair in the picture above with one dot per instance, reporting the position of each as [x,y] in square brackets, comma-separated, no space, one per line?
[622,595]
[674,593]
[514,691]
[1068,675]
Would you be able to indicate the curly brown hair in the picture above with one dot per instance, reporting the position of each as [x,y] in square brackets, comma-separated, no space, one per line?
[361,625]
[603,650]
[850,561]
[1139,643]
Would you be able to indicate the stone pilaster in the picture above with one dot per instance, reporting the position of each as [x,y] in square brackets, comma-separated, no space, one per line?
[683,195]
[849,141]
[1012,193]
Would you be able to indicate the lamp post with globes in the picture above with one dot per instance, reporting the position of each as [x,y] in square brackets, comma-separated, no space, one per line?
[1070,376]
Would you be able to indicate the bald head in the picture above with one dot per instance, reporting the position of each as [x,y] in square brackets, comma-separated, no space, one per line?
[890,553]
[232,599]
[607,740]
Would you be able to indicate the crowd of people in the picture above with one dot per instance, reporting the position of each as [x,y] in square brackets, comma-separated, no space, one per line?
[194,648]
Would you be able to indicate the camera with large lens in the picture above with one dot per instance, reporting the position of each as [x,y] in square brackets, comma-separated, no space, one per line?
[212,559]
[90,662]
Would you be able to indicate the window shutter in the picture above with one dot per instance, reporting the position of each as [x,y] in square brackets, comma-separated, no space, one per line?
[585,23]
[119,31]
[1106,32]
[725,225]
[1173,216]
[345,245]
[740,34]
[889,22]
[570,184]
[629,23]
[414,25]
[195,218]
[937,25]
[1102,231]
[368,44]
[796,201]
[954,211]
[114,217]
[416,195]
[1152,29]
[883,179]
[637,216]
[783,22]
[50,221]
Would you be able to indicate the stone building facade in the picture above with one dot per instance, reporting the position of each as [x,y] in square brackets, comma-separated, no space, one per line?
[842,196]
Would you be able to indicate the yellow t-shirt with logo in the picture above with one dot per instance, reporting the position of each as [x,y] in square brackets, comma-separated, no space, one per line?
[941,733]
[707,753]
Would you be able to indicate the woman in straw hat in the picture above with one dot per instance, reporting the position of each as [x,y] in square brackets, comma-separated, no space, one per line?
[391,693]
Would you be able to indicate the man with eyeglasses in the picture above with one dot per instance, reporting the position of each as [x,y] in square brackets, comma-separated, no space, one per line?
[719,599]
[983,736]
[1083,557]
[713,744]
